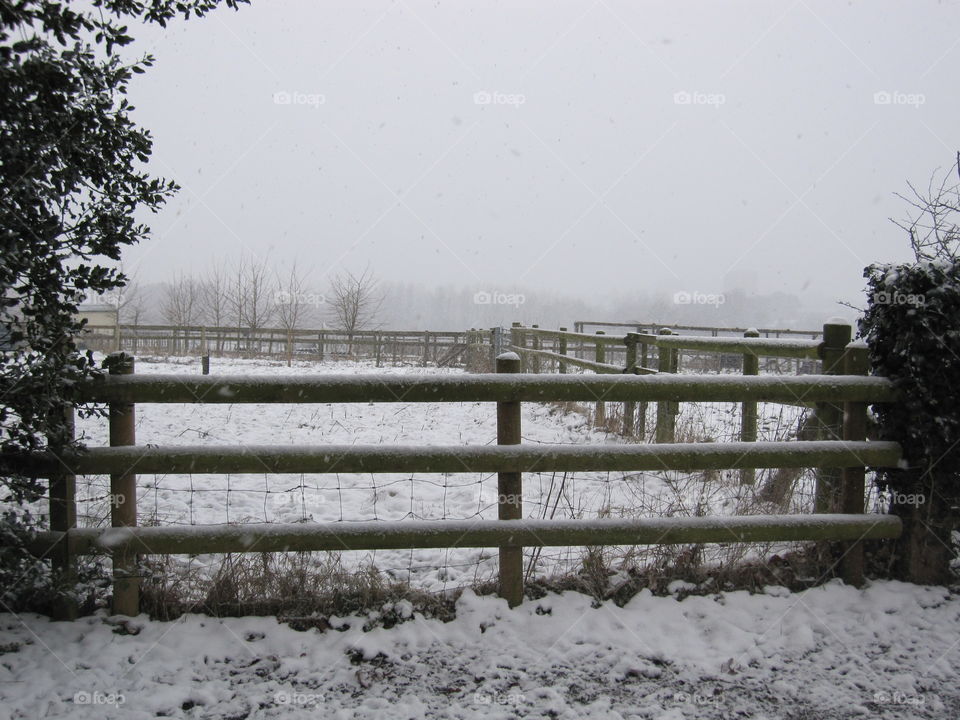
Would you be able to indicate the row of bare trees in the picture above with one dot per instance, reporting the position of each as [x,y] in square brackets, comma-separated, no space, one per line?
[249,294]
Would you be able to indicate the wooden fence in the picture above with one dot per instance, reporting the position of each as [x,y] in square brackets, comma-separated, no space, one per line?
[474,349]
[696,358]
[646,354]
[840,519]
[423,347]
[712,330]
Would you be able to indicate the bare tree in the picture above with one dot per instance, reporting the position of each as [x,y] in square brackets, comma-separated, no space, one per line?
[181,301]
[214,295]
[235,296]
[124,297]
[355,300]
[250,296]
[935,229]
[131,304]
[181,307]
[259,307]
[291,302]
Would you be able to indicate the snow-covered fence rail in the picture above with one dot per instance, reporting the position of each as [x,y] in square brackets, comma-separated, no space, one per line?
[842,518]
[275,537]
[274,459]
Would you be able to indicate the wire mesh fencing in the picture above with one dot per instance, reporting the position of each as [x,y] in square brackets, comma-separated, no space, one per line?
[191,500]
[249,499]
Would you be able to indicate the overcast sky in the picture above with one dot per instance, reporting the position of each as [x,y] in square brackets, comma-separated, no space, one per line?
[580,146]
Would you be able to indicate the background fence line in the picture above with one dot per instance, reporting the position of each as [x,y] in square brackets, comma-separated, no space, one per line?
[423,347]
[474,348]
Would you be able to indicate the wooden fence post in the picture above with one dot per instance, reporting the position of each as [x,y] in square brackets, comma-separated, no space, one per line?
[836,337]
[600,416]
[562,365]
[63,517]
[856,361]
[642,414]
[630,407]
[517,340]
[204,352]
[510,489]
[748,410]
[535,344]
[123,495]
[666,417]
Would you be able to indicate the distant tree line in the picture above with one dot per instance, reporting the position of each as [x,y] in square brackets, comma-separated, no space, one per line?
[250,294]
[257,293]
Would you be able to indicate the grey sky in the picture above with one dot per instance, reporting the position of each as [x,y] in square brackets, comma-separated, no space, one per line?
[585,171]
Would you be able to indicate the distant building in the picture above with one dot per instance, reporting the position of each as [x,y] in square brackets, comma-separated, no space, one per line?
[101,330]
[98,315]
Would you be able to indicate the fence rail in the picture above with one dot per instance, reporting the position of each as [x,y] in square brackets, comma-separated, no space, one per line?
[484,388]
[278,459]
[756,346]
[274,537]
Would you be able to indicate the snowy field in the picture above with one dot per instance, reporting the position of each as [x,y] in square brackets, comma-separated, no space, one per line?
[209,499]
[888,651]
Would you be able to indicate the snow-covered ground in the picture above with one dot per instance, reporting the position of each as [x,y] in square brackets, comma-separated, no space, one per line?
[888,651]
[207,499]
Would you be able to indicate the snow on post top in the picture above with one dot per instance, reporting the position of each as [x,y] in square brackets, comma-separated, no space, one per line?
[509,355]
[839,321]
